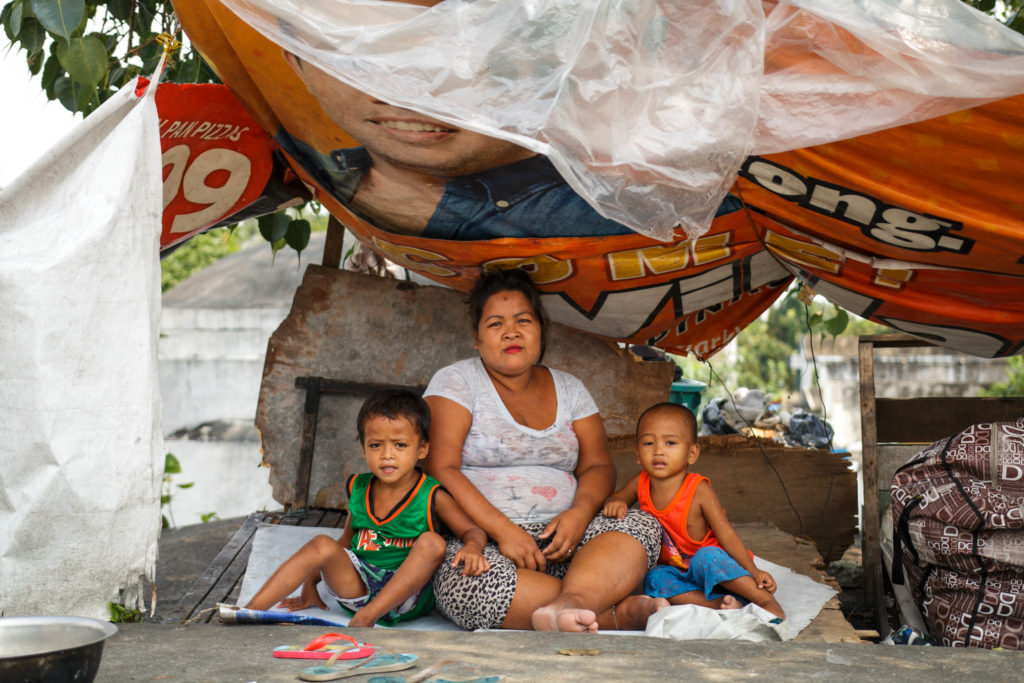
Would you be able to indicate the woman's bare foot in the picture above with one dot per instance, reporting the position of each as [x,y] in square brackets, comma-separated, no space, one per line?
[632,613]
[730,602]
[564,616]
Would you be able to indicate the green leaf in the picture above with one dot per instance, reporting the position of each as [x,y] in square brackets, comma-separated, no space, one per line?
[51,70]
[814,321]
[836,324]
[209,517]
[120,9]
[84,58]
[32,36]
[35,63]
[74,96]
[171,464]
[274,226]
[298,233]
[15,17]
[59,17]
[165,499]
[186,486]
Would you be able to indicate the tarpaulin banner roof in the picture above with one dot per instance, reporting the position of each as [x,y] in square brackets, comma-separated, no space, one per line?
[663,172]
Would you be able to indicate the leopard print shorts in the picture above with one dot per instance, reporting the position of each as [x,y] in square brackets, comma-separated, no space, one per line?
[472,602]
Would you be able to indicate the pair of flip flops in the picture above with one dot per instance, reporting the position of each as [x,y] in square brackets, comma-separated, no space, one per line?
[326,646]
[372,661]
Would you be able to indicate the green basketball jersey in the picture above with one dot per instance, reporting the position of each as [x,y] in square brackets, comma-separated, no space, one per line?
[386,542]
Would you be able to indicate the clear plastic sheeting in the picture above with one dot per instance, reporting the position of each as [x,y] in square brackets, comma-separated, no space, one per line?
[649,107]
[81,453]
[836,70]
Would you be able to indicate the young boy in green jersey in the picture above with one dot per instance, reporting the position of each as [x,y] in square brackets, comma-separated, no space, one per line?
[381,567]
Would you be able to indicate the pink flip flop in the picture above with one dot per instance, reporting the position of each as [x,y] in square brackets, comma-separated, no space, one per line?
[325,647]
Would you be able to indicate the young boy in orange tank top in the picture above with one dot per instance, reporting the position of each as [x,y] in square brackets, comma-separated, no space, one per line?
[703,561]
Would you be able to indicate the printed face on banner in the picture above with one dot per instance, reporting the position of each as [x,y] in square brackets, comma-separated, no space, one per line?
[397,176]
[916,226]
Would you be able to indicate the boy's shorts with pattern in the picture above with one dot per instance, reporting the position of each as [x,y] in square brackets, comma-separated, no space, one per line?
[374,578]
[472,602]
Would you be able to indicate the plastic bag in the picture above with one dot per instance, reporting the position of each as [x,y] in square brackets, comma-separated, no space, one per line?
[809,431]
[649,108]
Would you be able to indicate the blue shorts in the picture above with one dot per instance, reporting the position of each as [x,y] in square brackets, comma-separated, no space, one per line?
[708,567]
[374,578]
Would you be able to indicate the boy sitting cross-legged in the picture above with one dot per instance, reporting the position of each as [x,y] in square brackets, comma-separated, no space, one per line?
[381,567]
[703,560]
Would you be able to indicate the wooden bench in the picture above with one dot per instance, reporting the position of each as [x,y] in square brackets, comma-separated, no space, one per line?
[222,579]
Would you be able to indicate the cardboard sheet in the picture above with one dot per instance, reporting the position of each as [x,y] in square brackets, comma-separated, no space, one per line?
[801,597]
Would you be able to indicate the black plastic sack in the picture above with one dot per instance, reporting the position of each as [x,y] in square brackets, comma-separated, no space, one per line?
[809,431]
[713,421]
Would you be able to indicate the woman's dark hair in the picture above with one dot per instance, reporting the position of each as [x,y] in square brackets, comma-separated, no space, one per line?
[508,280]
[395,404]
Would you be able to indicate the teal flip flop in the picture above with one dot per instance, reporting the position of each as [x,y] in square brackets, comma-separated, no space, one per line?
[380,663]
[402,679]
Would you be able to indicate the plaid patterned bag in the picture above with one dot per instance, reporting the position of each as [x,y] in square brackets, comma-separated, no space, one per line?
[958,516]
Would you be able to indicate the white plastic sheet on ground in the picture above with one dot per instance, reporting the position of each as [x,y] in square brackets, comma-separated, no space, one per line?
[648,107]
[81,453]
[801,597]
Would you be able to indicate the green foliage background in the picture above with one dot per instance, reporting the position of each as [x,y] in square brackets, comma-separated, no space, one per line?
[204,250]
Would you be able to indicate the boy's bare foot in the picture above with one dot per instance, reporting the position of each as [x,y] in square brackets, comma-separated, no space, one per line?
[730,602]
[564,616]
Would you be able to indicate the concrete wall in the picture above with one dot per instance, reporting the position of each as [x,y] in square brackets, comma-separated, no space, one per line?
[214,329]
[899,373]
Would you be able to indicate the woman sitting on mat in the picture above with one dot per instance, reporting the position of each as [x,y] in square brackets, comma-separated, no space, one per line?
[522,449]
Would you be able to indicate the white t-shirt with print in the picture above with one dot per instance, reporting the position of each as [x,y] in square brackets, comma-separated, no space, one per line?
[526,473]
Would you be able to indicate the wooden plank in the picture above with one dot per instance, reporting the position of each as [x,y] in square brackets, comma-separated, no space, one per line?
[334,519]
[929,419]
[333,245]
[893,341]
[808,492]
[765,540]
[313,517]
[205,585]
[891,457]
[227,582]
[307,445]
[870,549]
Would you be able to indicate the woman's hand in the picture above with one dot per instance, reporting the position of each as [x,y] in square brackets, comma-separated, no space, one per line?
[565,532]
[519,546]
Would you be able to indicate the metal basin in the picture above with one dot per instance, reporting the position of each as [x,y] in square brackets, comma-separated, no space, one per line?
[51,649]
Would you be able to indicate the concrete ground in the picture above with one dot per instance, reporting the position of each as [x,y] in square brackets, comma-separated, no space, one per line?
[213,652]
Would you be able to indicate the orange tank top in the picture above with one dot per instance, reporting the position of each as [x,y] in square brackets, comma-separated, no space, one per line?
[676,545]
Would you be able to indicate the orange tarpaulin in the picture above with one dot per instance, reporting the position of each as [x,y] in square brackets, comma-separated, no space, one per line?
[918,227]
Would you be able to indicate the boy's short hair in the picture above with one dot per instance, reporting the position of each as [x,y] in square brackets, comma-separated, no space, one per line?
[395,404]
[685,413]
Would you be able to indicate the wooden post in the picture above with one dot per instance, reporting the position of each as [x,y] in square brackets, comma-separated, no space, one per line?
[871,555]
[333,243]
